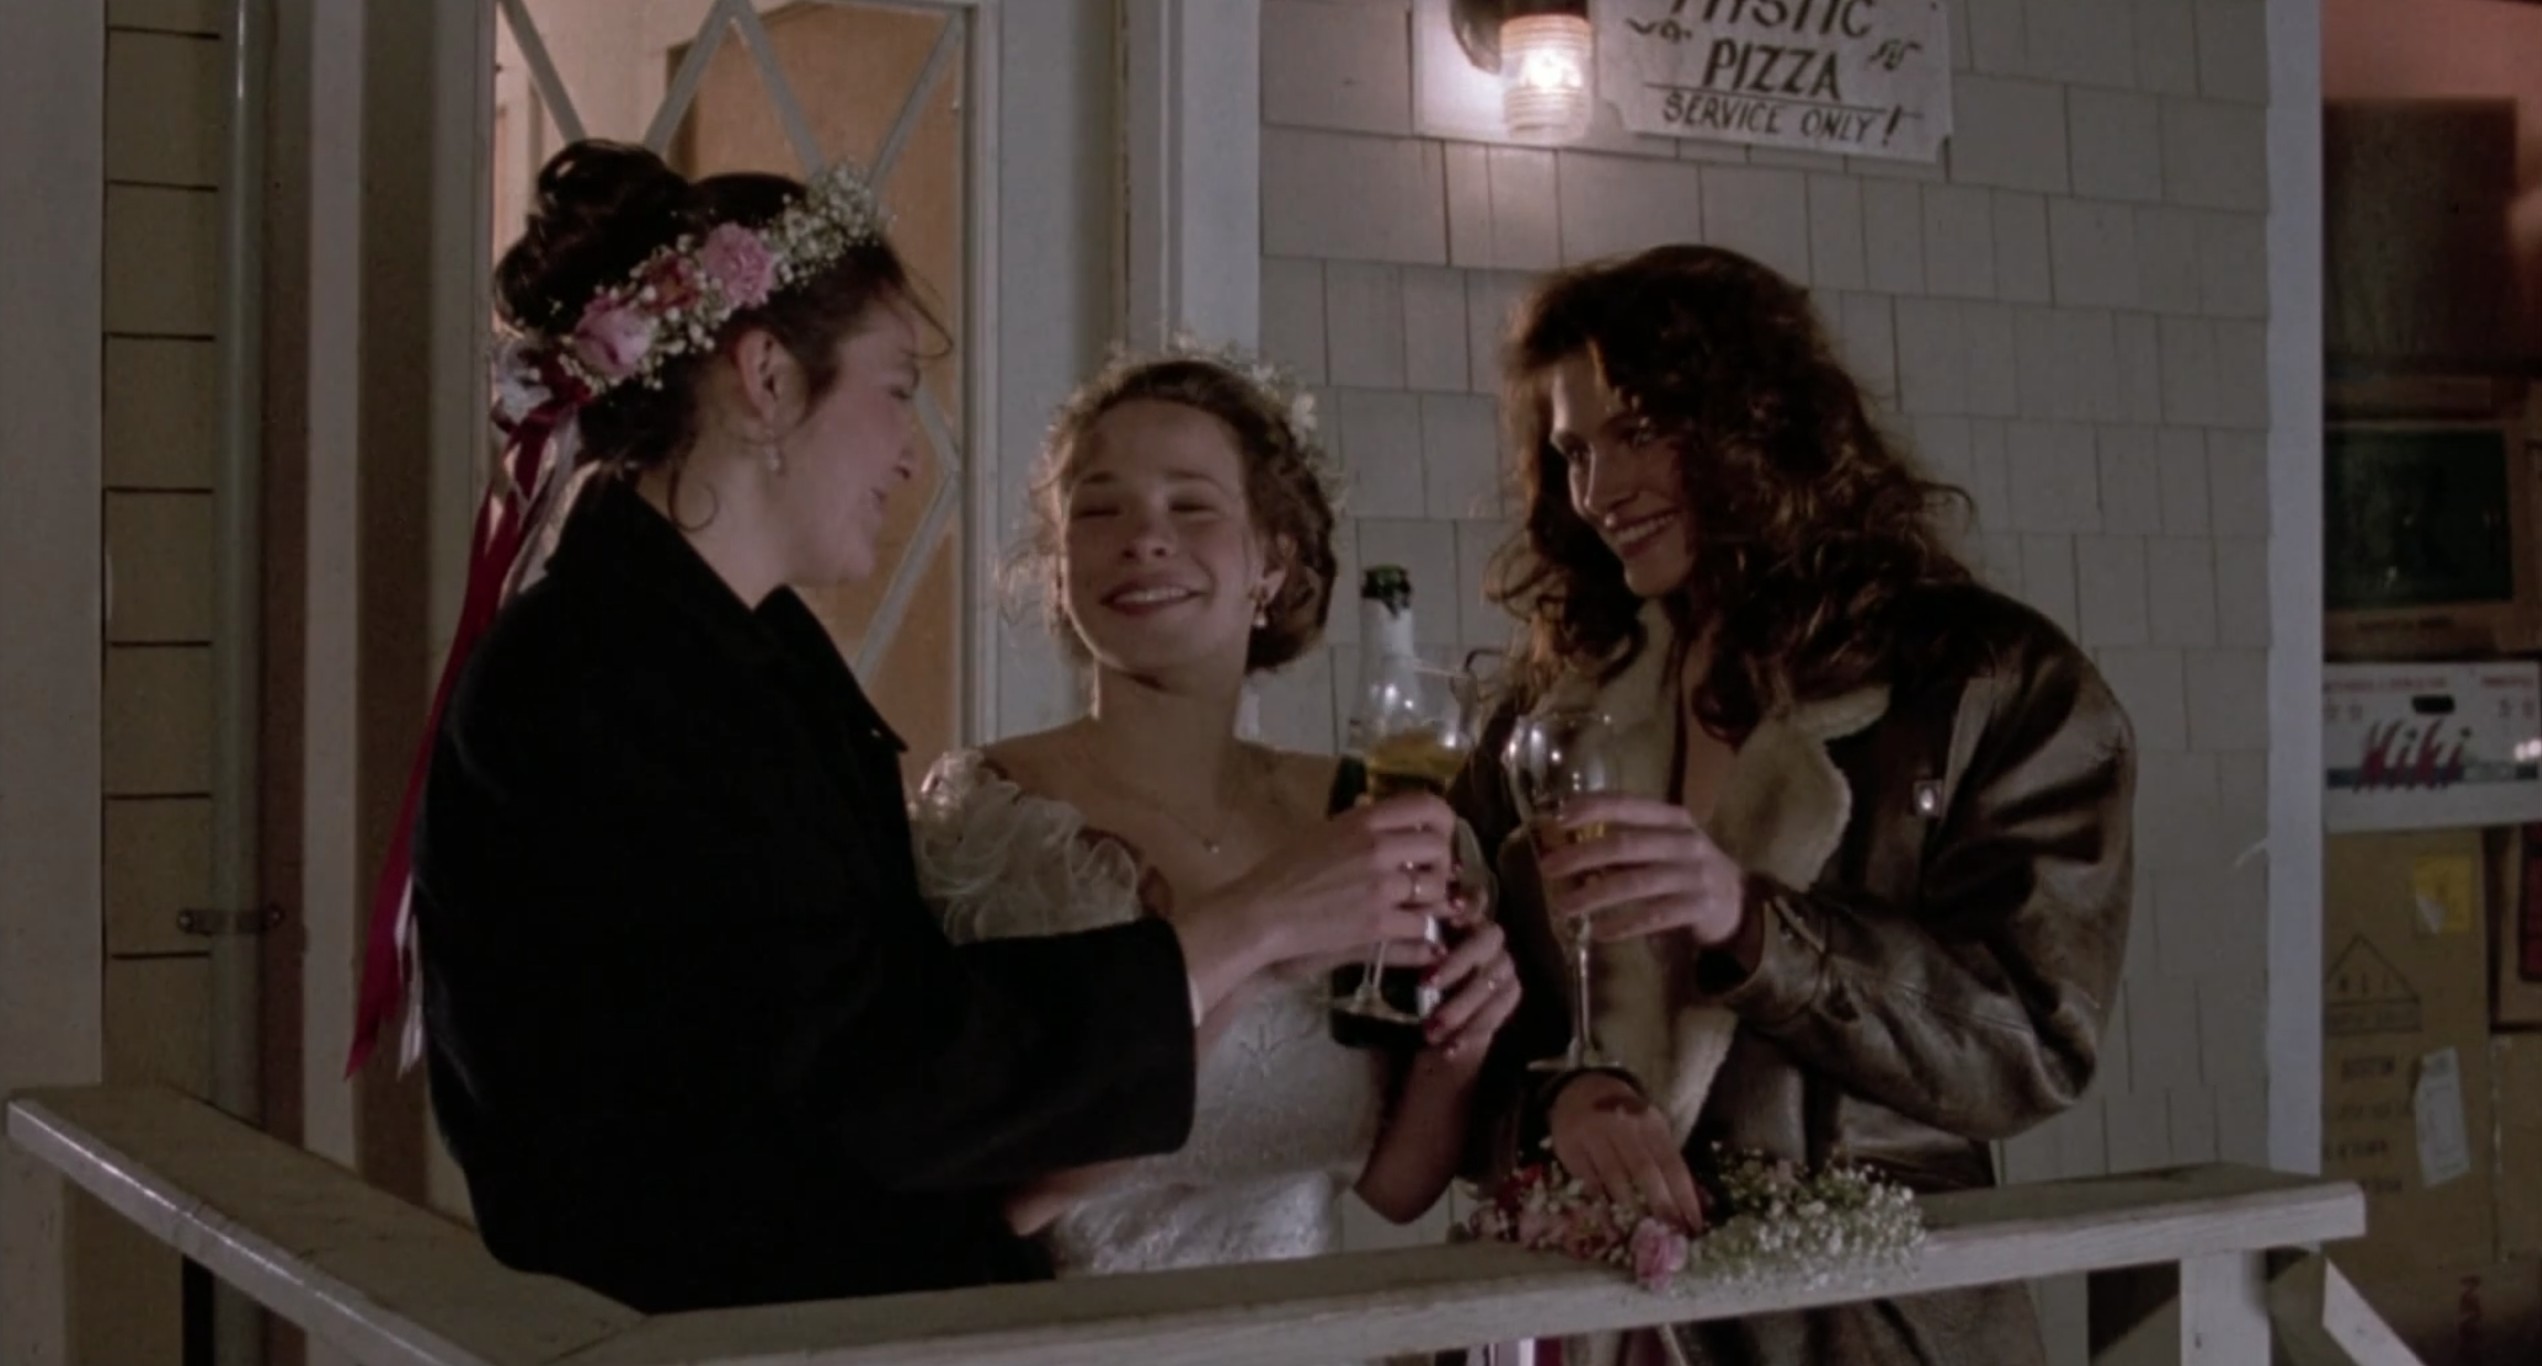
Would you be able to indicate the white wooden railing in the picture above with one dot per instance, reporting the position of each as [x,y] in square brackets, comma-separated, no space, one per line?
[2179,1263]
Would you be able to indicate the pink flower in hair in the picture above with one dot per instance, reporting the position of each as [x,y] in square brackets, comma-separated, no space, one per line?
[737,260]
[612,338]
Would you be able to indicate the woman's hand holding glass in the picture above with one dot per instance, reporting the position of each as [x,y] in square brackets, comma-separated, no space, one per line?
[1415,727]
[1649,869]
[1555,759]
[1376,874]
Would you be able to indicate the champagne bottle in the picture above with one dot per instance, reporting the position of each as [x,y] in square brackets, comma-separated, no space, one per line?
[1390,1017]
[1385,639]
[1399,757]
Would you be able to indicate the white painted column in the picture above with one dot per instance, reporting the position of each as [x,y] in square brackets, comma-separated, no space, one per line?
[52,619]
[314,406]
[1047,79]
[313,358]
[2206,1311]
[1192,125]
[2294,585]
[1193,122]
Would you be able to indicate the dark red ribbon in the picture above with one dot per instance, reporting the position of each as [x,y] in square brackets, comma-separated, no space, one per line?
[502,527]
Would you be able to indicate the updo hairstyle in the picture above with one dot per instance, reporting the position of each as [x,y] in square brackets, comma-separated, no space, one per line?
[602,209]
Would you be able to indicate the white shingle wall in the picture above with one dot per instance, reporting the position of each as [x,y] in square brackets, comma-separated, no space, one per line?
[2067,316]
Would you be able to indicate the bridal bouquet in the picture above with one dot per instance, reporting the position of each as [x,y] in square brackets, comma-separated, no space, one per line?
[1770,1218]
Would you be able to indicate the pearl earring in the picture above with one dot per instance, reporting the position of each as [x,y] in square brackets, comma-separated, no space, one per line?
[775,457]
[1261,610]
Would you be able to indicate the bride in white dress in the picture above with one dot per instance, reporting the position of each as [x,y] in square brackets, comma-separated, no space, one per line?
[1183,531]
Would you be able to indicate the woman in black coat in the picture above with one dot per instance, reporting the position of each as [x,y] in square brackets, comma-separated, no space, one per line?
[694,1039]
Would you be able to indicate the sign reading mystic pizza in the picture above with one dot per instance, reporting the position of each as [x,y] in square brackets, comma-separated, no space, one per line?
[1867,78]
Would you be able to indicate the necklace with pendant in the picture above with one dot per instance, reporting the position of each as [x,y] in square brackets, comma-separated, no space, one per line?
[1210,844]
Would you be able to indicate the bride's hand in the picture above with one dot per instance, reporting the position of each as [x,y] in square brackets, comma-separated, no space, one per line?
[1377,873]
[1374,873]
[1481,993]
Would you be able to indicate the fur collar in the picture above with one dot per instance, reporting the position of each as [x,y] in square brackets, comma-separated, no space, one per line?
[1783,811]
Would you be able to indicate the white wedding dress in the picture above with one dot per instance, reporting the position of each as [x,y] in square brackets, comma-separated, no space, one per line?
[1284,1118]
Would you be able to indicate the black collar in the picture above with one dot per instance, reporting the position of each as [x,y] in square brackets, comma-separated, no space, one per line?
[615,537]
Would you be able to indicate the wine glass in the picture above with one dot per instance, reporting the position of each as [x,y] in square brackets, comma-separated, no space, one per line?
[1552,757]
[1416,727]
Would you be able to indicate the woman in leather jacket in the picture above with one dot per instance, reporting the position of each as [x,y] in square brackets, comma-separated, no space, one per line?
[1865,896]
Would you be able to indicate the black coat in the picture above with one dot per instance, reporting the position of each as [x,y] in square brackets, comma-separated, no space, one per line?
[694,1038]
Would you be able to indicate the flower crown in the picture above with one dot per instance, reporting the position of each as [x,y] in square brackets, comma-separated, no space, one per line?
[676,302]
[1279,389]
[1290,399]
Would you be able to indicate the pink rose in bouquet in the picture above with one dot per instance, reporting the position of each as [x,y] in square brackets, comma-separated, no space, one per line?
[1659,1252]
[1541,1207]
[1768,1217]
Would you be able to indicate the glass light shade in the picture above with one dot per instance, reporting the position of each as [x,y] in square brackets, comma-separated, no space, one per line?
[1544,63]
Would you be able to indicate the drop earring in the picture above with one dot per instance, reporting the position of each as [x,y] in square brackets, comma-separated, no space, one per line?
[1261,610]
[775,457]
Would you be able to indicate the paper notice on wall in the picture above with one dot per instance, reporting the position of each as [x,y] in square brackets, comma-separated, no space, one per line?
[2445,886]
[1866,78]
[2444,1139]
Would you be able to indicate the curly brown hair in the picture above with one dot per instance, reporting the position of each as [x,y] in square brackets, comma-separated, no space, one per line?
[1285,495]
[1814,525]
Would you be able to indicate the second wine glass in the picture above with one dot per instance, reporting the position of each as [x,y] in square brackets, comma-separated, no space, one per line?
[1552,757]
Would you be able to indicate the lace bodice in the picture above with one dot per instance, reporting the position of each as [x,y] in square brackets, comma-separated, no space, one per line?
[1284,1117]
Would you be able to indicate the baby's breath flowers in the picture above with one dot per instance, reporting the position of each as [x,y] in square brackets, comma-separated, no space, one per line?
[1294,401]
[679,299]
[1771,1221]
[1841,1223]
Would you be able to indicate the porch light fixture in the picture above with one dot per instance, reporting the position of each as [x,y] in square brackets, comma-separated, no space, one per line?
[1541,50]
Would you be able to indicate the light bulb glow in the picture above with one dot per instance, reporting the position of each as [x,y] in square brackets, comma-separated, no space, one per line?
[1545,77]
[1543,70]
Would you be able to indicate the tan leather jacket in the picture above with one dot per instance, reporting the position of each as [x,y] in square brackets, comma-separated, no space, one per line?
[1944,865]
